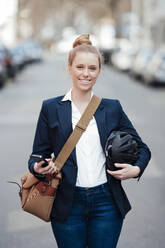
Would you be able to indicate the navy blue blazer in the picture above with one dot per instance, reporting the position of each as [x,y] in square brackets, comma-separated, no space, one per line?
[53,129]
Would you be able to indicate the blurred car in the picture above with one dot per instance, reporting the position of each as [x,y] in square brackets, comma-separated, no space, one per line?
[2,74]
[7,62]
[123,55]
[31,50]
[18,57]
[141,61]
[155,70]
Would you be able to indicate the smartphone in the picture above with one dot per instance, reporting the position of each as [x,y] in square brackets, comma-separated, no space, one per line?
[38,158]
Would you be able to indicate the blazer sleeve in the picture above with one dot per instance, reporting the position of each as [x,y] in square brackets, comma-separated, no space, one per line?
[41,144]
[144,152]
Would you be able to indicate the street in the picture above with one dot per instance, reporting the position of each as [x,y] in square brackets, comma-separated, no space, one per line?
[20,104]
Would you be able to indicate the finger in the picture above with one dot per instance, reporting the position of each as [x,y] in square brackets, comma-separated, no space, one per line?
[42,162]
[46,169]
[111,172]
[119,165]
[117,172]
[121,177]
[39,165]
[51,170]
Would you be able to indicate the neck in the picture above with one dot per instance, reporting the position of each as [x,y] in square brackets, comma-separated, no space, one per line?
[81,96]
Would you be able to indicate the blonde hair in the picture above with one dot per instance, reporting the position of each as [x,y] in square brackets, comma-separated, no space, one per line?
[83,44]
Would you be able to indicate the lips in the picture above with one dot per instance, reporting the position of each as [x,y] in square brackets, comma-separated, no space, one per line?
[85,81]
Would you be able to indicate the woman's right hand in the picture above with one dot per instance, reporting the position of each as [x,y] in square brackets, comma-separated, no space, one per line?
[48,170]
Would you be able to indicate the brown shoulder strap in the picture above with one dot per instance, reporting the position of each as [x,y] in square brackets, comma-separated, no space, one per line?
[77,132]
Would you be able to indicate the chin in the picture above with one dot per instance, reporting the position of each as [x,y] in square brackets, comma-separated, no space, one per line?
[86,88]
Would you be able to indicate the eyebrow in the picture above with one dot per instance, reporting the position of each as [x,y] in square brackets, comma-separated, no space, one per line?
[89,65]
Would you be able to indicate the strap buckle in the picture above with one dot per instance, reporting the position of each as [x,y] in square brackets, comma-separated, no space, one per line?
[81,128]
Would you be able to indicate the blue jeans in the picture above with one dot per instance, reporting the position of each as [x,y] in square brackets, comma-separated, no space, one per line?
[94,221]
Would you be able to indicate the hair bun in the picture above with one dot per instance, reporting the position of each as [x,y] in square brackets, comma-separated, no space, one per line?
[82,39]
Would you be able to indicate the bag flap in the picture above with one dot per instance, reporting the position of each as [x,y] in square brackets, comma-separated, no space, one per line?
[28,180]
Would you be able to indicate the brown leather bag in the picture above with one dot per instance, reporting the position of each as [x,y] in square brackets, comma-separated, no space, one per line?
[37,197]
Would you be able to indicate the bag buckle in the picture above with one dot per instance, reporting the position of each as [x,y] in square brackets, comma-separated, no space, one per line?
[81,128]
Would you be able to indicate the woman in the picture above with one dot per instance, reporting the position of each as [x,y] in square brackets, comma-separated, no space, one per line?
[90,204]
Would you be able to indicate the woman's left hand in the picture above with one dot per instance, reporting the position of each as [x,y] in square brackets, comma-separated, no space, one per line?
[127,171]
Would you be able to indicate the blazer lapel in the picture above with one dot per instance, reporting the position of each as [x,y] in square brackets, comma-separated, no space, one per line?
[100,119]
[64,111]
[65,117]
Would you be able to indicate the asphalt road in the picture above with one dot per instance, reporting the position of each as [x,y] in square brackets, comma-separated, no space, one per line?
[20,104]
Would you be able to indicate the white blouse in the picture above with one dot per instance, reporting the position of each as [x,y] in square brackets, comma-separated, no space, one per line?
[89,152]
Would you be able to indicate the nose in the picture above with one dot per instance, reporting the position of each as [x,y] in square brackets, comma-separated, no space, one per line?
[86,73]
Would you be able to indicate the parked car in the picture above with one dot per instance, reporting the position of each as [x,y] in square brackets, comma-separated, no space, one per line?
[2,74]
[7,61]
[140,62]
[31,50]
[18,57]
[155,70]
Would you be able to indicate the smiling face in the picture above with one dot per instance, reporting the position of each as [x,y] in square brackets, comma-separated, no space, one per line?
[84,70]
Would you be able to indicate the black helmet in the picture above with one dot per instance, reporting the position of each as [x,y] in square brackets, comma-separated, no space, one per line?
[120,148]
